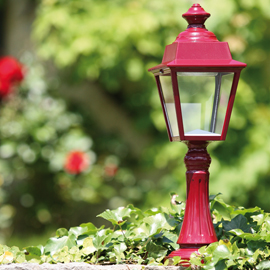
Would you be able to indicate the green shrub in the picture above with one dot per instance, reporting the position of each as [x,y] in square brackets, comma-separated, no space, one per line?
[137,237]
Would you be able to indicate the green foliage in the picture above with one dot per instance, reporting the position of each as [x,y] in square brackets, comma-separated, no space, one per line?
[109,45]
[138,237]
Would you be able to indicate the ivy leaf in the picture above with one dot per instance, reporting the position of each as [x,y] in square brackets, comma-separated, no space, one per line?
[209,249]
[35,250]
[156,251]
[244,211]
[247,236]
[222,208]
[20,258]
[171,239]
[238,222]
[157,223]
[141,232]
[258,218]
[61,232]
[116,216]
[54,244]
[91,228]
[99,242]
[221,265]
[120,248]
[212,197]
[88,246]
[221,252]
[254,245]
[78,230]
[263,265]
[119,251]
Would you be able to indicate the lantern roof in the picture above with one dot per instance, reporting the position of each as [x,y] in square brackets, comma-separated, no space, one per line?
[196,47]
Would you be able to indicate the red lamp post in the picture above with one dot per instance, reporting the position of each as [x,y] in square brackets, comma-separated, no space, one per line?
[197,82]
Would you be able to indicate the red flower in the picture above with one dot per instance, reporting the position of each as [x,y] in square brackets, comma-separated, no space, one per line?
[110,169]
[10,74]
[76,162]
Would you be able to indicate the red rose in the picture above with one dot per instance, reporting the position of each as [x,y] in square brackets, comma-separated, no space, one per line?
[76,162]
[10,74]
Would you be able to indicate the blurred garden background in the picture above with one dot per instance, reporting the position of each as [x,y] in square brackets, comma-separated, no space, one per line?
[86,95]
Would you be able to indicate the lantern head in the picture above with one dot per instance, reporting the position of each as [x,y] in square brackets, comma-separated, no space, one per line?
[197,82]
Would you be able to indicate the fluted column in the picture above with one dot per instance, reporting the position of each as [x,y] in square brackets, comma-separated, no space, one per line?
[197,229]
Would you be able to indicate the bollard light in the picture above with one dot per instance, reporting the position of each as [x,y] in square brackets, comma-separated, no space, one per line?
[197,82]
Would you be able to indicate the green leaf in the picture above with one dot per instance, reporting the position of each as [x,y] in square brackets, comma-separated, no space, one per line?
[155,251]
[258,218]
[238,222]
[170,238]
[157,223]
[221,252]
[88,246]
[176,260]
[116,216]
[91,228]
[35,250]
[263,265]
[212,197]
[54,244]
[78,230]
[99,242]
[120,247]
[222,208]
[119,251]
[61,232]
[243,211]
[142,231]
[20,258]
[247,236]
[221,265]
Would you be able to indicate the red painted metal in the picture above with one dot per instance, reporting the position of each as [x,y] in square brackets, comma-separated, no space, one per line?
[196,46]
[196,50]
[177,104]
[197,229]
[163,107]
[230,105]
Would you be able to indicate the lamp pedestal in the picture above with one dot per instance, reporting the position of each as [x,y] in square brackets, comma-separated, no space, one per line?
[197,229]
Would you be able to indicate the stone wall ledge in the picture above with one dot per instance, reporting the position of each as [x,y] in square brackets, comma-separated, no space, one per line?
[84,266]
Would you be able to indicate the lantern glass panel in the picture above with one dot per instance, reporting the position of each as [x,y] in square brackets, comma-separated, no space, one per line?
[204,98]
[168,99]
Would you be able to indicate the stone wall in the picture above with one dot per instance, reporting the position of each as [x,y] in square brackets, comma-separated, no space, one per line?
[84,266]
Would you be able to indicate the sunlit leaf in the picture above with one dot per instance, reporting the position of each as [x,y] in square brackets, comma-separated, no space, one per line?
[61,232]
[54,244]
[263,265]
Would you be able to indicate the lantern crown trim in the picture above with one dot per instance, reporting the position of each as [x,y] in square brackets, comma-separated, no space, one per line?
[197,47]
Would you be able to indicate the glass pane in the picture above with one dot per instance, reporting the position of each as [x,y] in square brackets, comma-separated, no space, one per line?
[167,90]
[204,98]
[225,90]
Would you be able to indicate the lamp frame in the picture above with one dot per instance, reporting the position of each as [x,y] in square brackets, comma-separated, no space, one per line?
[173,74]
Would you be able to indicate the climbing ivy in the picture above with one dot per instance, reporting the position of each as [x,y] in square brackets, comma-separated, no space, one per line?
[137,237]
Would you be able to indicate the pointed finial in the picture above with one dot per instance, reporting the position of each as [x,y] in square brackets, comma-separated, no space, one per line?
[196,31]
[196,15]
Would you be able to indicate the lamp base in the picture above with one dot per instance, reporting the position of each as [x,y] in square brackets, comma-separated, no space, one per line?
[184,252]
